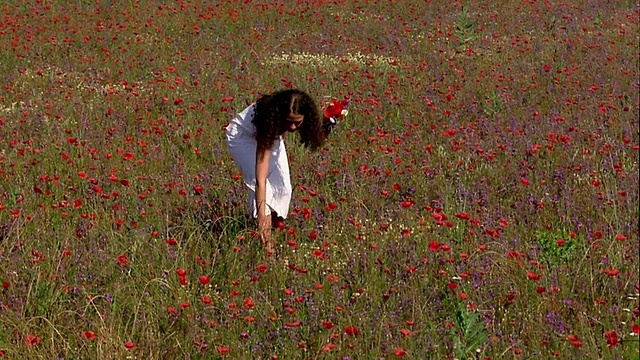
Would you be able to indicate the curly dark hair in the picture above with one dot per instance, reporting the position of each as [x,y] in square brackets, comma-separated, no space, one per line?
[271,111]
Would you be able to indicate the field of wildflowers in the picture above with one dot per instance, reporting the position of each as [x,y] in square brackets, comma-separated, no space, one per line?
[479,201]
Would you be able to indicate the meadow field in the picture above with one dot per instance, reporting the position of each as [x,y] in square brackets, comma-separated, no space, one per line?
[479,201]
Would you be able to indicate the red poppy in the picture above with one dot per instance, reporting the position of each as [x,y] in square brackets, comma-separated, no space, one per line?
[612,338]
[122,260]
[434,246]
[248,303]
[335,109]
[351,330]
[574,340]
[204,279]
[533,276]
[611,272]
[463,216]
[223,350]
[89,335]
[399,352]
[327,324]
[32,340]
[328,347]
[129,345]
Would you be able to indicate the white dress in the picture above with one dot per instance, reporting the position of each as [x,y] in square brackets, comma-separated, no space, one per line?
[242,145]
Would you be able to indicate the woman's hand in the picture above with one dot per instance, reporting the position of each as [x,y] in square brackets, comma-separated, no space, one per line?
[264,228]
[264,220]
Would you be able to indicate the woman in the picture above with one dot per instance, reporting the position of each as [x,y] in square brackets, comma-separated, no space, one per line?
[254,138]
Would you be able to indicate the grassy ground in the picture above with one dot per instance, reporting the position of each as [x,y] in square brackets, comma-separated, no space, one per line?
[480,200]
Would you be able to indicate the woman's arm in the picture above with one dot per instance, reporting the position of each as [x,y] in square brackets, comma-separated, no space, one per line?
[264,221]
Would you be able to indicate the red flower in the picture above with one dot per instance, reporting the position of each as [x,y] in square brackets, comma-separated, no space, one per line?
[533,276]
[89,335]
[612,338]
[611,272]
[129,345]
[434,246]
[32,340]
[399,352]
[463,216]
[328,347]
[351,330]
[335,108]
[204,279]
[122,260]
[327,324]
[223,350]
[574,340]
[248,303]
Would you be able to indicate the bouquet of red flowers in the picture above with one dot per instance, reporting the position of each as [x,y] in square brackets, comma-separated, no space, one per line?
[334,112]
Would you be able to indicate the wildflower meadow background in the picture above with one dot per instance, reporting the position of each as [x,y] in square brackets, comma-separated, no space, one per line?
[479,201]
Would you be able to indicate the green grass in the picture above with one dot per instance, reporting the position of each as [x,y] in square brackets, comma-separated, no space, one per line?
[478,136]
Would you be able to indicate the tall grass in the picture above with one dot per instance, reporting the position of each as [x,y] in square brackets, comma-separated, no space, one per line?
[479,201]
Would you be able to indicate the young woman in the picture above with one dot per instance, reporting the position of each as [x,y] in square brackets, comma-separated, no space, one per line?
[254,138]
